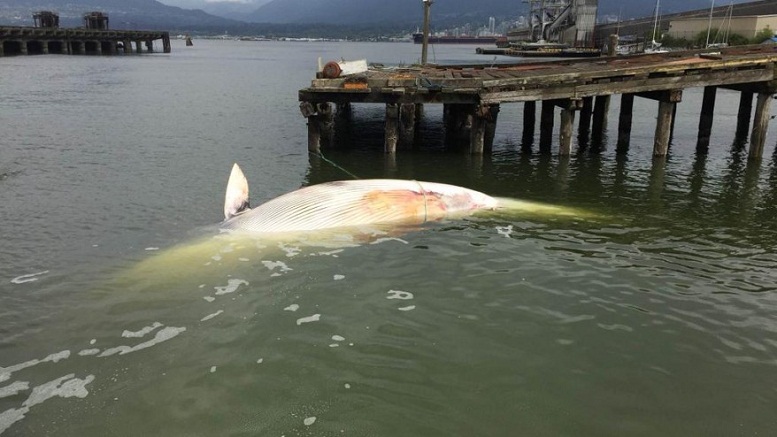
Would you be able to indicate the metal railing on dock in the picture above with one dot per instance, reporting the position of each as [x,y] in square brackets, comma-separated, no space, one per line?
[471,96]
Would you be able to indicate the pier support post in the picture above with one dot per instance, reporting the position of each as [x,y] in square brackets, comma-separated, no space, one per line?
[392,128]
[23,47]
[743,116]
[44,46]
[760,124]
[584,128]
[138,46]
[407,125]
[565,134]
[477,132]
[127,46]
[705,120]
[546,126]
[166,43]
[529,121]
[493,114]
[320,124]
[98,47]
[150,46]
[2,51]
[663,128]
[601,108]
[624,123]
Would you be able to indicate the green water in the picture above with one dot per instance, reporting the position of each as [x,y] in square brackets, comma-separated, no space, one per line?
[120,314]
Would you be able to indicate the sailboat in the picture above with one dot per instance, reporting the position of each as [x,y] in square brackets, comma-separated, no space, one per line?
[726,19]
[655,46]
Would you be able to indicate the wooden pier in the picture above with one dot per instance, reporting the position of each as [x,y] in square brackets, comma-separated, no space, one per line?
[94,38]
[581,89]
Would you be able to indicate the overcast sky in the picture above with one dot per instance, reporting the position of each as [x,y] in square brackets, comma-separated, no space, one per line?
[194,4]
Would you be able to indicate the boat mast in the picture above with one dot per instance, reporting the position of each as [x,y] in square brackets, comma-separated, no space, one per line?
[709,25]
[655,23]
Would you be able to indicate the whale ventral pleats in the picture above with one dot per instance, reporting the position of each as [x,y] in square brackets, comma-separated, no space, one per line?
[236,199]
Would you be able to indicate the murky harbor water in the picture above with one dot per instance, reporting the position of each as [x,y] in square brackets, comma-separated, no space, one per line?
[121,315]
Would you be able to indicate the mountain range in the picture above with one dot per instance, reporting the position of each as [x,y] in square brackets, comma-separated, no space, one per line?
[257,16]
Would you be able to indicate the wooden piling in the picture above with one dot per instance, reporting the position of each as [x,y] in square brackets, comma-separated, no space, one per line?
[529,122]
[407,123]
[584,127]
[546,125]
[601,108]
[624,123]
[743,116]
[567,127]
[760,124]
[392,128]
[663,128]
[493,115]
[705,119]
[478,130]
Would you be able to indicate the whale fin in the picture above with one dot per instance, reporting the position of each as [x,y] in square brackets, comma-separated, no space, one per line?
[236,199]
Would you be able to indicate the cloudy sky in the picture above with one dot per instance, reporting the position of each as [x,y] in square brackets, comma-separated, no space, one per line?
[193,4]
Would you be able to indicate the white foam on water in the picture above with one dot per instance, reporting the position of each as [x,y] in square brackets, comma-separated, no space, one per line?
[260,361]
[507,231]
[28,278]
[209,298]
[334,345]
[216,257]
[309,420]
[293,307]
[162,335]
[210,316]
[212,369]
[398,294]
[347,385]
[313,318]
[65,387]
[142,332]
[88,352]
[5,372]
[339,277]
[386,239]
[201,286]
[14,388]
[280,265]
[93,341]
[291,251]
[151,249]
[231,287]
[245,260]
[407,308]
[332,253]
[338,338]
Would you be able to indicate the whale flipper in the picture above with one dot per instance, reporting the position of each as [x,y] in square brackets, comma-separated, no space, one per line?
[236,199]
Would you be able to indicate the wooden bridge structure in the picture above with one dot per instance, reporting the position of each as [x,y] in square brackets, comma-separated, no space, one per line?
[581,89]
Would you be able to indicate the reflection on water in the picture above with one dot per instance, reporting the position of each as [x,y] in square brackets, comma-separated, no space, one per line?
[121,309]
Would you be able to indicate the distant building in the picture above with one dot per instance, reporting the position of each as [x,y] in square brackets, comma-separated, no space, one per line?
[747,26]
[96,21]
[46,19]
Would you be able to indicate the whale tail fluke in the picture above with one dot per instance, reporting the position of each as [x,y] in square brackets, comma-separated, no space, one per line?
[236,199]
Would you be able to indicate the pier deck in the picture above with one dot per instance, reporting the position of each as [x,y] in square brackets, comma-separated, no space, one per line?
[472,94]
[16,40]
